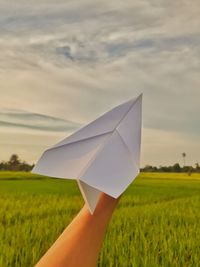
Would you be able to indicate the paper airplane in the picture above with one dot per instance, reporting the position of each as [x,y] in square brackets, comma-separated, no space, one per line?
[103,156]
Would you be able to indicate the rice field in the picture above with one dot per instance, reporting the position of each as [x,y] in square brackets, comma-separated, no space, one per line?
[157,222]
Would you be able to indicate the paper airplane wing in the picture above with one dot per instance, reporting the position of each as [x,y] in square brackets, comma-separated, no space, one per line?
[103,156]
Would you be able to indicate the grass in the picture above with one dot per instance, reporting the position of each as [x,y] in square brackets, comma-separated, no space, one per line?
[157,222]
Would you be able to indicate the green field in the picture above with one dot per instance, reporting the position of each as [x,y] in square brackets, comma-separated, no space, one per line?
[157,222]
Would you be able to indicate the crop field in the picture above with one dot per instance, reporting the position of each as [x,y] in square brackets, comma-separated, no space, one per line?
[157,222]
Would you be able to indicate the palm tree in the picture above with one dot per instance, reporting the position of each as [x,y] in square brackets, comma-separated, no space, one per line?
[184,156]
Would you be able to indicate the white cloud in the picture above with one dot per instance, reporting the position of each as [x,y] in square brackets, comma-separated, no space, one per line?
[77,59]
[34,121]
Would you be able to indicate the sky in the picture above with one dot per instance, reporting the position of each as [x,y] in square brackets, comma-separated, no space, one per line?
[64,63]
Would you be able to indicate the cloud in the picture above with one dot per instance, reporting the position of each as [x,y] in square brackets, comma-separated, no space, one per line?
[77,59]
[35,121]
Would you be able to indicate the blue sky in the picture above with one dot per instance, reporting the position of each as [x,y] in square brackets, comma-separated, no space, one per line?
[64,63]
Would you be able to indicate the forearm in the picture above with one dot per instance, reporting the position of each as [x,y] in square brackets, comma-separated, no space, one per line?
[80,243]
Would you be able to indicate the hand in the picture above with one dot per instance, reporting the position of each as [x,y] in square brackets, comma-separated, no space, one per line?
[80,243]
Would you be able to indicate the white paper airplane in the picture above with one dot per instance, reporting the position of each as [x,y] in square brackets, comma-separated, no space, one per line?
[103,156]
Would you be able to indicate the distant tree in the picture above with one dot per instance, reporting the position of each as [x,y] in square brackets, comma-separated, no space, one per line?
[25,167]
[184,156]
[190,171]
[164,169]
[2,166]
[14,159]
[14,162]
[197,169]
[176,168]
[149,168]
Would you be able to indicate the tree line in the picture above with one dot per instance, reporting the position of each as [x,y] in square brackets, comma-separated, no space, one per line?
[174,168]
[16,164]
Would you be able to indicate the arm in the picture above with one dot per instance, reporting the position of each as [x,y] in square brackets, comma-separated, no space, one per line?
[80,243]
